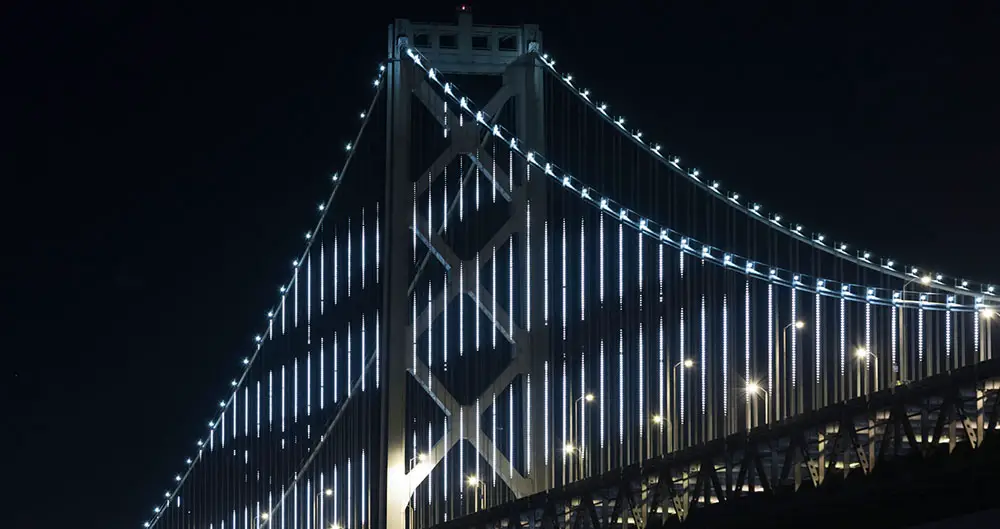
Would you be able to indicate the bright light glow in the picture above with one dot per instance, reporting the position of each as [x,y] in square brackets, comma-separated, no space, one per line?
[988,312]
[472,481]
[568,448]
[925,280]
[753,388]
[861,352]
[794,349]
[800,324]
[589,397]
[688,363]
[725,355]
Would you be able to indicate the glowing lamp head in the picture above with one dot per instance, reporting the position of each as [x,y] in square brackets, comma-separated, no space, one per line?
[589,397]
[753,388]
[688,363]
[328,492]
[861,352]
[800,324]
[925,280]
[657,419]
[473,481]
[264,516]
[421,457]
[568,448]
[988,312]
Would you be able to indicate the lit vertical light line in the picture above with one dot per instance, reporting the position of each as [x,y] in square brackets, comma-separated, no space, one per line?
[661,375]
[794,349]
[282,399]
[600,254]
[493,436]
[893,338]
[564,286]
[725,355]
[476,168]
[621,386]
[640,386]
[430,450]
[704,354]
[430,207]
[770,337]
[683,357]
[413,341]
[336,369]
[336,493]
[378,349]
[461,309]
[430,333]
[479,436]
[565,410]
[920,335]
[258,409]
[364,352]
[309,293]
[583,403]
[868,335]
[545,413]
[461,446]
[322,504]
[270,398]
[510,171]
[378,243]
[444,321]
[975,331]
[843,334]
[819,333]
[947,337]
[493,296]
[308,384]
[746,335]
[246,411]
[583,273]
[510,430]
[527,266]
[545,271]
[493,173]
[350,381]
[283,297]
[349,493]
[322,374]
[222,423]
[478,302]
[461,189]
[527,425]
[414,224]
[446,443]
[295,390]
[444,202]
[600,367]
[640,270]
[295,286]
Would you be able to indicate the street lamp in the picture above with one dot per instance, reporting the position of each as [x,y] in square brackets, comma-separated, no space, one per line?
[585,398]
[754,389]
[477,484]
[688,364]
[863,354]
[317,506]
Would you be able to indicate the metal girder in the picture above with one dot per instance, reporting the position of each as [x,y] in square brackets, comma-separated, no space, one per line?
[665,481]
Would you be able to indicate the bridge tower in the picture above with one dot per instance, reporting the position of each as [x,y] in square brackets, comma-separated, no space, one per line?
[471,51]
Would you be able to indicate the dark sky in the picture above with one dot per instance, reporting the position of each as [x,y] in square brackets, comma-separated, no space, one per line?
[161,163]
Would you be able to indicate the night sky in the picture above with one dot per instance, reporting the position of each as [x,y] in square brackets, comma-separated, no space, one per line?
[161,164]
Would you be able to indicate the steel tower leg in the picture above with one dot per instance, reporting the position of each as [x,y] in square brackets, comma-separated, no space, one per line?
[522,81]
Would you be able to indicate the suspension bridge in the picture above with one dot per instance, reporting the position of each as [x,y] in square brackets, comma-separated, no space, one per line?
[515,309]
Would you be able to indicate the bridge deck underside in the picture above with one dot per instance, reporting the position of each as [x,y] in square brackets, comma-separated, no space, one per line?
[927,445]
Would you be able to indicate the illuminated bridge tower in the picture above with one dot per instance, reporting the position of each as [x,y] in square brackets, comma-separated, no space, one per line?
[463,336]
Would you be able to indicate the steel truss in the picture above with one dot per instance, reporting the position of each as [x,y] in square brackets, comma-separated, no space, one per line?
[813,451]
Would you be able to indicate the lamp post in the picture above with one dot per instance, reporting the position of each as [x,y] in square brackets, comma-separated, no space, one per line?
[328,493]
[419,459]
[754,389]
[863,354]
[477,485]
[584,399]
[688,364]
[783,354]
[990,315]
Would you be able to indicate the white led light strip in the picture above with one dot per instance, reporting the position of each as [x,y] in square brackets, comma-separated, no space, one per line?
[323,209]
[646,226]
[752,209]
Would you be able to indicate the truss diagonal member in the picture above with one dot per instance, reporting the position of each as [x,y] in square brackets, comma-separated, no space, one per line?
[500,179]
[426,94]
[435,390]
